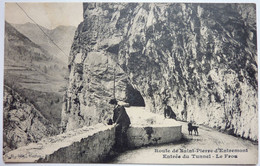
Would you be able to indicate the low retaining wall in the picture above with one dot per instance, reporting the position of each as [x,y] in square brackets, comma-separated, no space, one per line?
[139,136]
[90,144]
[85,145]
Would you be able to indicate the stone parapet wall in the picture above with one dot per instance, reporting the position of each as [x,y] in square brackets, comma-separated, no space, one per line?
[91,144]
[92,149]
[84,145]
[139,136]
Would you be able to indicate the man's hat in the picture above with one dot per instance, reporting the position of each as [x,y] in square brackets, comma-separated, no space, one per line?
[113,101]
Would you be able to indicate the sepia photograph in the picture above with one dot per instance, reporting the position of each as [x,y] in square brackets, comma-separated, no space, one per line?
[130,83]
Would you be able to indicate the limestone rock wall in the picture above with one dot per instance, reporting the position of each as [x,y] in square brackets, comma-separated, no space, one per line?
[200,58]
[91,86]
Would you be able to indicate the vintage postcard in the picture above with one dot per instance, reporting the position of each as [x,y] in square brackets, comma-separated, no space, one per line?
[121,82]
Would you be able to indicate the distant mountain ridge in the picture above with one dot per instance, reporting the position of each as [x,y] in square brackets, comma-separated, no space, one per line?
[61,35]
[22,51]
[12,35]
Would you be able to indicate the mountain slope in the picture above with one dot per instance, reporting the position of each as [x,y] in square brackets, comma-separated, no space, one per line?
[61,35]
[199,58]
[33,72]
[29,62]
[35,52]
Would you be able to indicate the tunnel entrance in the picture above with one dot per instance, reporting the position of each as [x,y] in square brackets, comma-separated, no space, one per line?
[134,97]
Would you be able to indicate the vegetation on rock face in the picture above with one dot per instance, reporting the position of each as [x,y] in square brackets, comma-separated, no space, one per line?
[200,58]
[23,123]
[38,77]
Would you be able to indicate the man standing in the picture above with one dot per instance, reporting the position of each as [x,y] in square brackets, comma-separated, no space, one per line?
[122,121]
[168,112]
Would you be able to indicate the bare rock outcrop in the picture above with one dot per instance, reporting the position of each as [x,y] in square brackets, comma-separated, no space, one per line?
[23,123]
[199,58]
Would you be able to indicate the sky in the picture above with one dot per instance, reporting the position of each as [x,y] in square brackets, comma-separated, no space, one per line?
[49,15]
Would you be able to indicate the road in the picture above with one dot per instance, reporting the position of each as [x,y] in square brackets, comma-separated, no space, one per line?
[200,149]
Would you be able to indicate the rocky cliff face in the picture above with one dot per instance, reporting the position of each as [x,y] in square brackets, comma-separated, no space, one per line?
[23,123]
[199,58]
